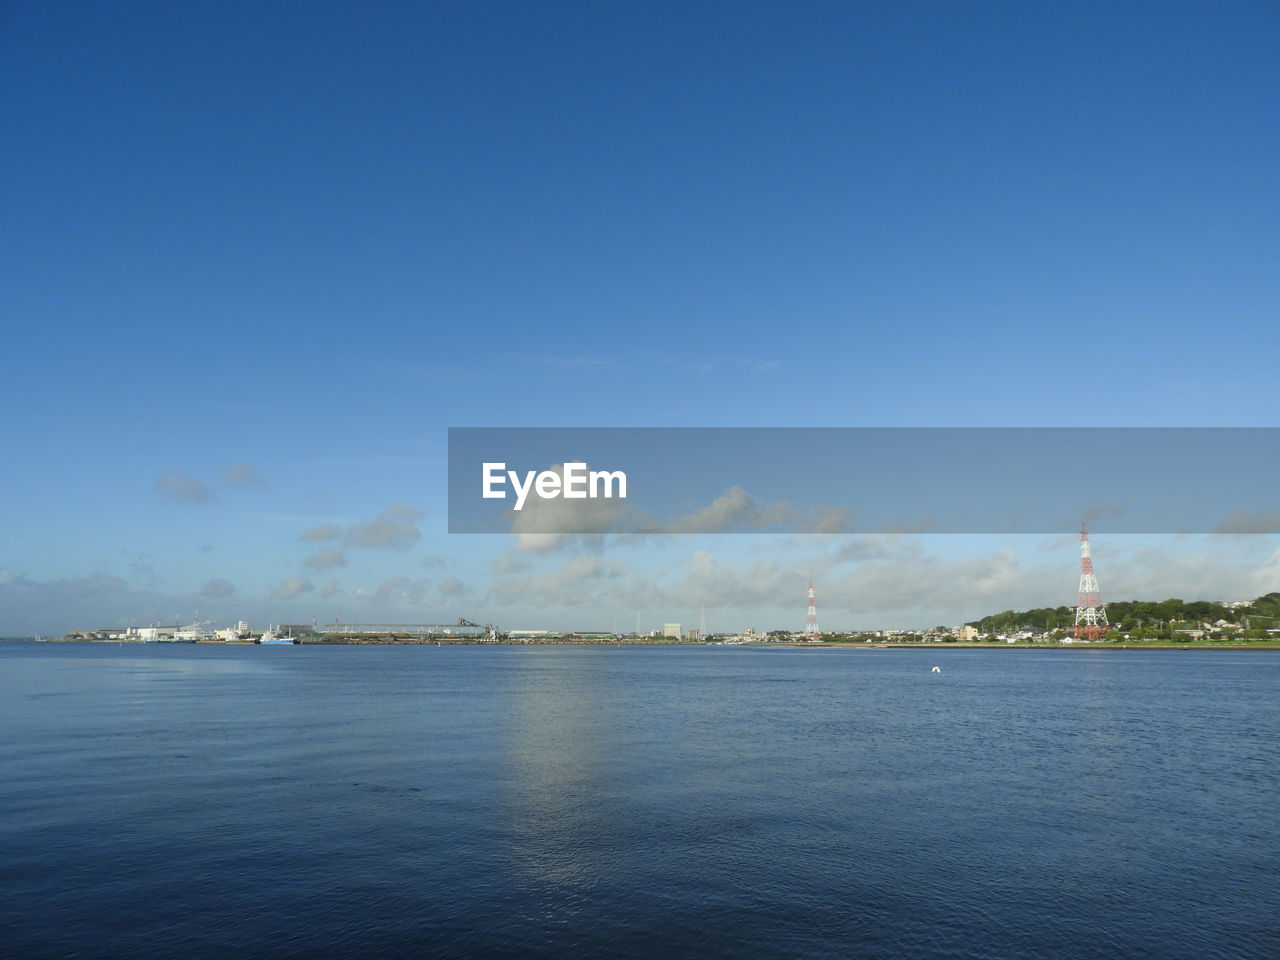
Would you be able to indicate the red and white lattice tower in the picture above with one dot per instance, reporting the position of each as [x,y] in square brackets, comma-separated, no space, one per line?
[1091,612]
[811,618]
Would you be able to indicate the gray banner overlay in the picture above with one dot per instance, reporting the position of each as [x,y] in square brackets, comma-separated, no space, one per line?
[864,479]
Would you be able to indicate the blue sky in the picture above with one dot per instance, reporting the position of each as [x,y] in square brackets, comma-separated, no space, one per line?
[310,237]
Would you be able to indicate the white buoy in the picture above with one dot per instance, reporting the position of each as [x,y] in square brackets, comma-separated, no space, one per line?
[937,669]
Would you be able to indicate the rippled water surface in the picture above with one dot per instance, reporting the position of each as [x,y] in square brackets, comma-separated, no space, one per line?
[204,801]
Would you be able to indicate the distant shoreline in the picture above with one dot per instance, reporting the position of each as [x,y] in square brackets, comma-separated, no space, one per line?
[1259,645]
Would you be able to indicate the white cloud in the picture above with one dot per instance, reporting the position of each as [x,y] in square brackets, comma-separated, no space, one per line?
[1267,577]
[507,563]
[736,509]
[69,601]
[180,488]
[565,586]
[292,587]
[242,475]
[402,591]
[217,589]
[861,581]
[540,527]
[317,534]
[453,589]
[325,559]
[550,525]
[395,528]
[1101,510]
[1242,521]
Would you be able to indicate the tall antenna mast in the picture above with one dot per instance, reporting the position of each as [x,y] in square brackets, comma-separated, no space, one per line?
[1091,612]
[811,618]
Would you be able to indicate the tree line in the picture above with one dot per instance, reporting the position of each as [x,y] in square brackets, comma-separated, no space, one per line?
[1144,619]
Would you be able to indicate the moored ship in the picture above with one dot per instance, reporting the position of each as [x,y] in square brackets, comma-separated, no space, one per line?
[270,637]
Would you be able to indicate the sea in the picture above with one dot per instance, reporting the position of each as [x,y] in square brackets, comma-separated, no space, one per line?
[609,801]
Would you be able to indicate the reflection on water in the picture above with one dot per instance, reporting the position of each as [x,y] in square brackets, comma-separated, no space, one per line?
[558,792]
[1102,722]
